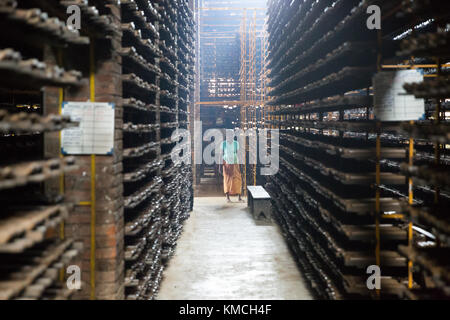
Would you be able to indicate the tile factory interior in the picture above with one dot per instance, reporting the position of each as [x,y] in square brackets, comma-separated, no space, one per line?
[224,150]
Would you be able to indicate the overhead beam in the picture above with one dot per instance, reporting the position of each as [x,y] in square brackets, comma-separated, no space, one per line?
[226,25]
[227,18]
[229,8]
[214,103]
[221,103]
[227,32]
[218,37]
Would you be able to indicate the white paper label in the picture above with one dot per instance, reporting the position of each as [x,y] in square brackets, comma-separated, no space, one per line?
[391,102]
[95,133]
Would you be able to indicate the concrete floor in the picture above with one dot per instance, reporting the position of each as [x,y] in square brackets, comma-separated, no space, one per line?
[224,254]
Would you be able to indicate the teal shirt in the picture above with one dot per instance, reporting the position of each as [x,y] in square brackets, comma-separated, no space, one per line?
[230,152]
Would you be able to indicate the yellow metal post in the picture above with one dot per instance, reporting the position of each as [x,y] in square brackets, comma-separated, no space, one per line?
[410,201]
[437,120]
[93,173]
[243,80]
[377,202]
[61,176]
[378,172]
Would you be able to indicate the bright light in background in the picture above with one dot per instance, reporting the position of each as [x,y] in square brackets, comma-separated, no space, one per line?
[219,52]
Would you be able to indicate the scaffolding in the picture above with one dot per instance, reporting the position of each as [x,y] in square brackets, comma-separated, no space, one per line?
[231,40]
[252,66]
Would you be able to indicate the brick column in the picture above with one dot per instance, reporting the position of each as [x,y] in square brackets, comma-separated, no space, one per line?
[109,227]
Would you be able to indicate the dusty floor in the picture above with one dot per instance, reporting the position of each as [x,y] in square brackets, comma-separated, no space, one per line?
[223,254]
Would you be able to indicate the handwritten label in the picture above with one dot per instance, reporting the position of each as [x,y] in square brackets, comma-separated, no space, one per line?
[95,133]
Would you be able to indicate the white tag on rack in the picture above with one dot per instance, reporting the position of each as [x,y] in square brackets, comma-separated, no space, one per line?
[391,102]
[95,133]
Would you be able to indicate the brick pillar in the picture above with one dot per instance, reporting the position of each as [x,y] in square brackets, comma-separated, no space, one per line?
[109,227]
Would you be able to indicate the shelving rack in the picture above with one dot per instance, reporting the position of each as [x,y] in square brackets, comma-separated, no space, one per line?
[340,193]
[33,248]
[141,74]
[429,260]
[117,217]
[157,84]
[177,176]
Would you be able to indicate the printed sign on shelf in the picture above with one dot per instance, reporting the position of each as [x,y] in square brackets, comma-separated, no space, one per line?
[391,102]
[95,133]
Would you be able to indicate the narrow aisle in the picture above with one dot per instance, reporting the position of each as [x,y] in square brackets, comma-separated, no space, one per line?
[223,254]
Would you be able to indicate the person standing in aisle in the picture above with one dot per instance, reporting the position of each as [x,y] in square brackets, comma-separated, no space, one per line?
[232,180]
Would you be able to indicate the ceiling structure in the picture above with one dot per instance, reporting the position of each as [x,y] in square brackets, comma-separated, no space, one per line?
[230,37]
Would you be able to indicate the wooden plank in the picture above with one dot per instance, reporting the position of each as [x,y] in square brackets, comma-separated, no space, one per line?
[27,274]
[35,171]
[25,220]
